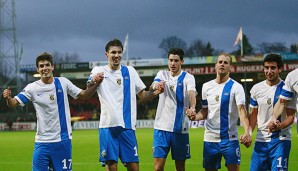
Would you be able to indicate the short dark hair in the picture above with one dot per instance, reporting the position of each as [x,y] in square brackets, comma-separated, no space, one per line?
[114,42]
[273,57]
[176,51]
[44,57]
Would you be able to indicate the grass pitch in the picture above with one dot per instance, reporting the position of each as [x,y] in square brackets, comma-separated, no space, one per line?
[16,150]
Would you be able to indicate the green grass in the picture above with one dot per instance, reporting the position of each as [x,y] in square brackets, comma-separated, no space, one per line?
[16,151]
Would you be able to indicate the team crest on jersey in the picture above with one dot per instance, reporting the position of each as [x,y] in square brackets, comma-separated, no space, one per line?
[217,98]
[171,87]
[52,96]
[119,81]
[269,101]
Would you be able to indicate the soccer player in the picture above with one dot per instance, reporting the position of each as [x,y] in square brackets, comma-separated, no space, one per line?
[223,101]
[271,151]
[52,146]
[289,92]
[117,96]
[171,123]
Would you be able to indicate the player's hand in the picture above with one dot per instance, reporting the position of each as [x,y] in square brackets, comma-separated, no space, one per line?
[190,113]
[159,87]
[98,78]
[246,140]
[7,94]
[273,126]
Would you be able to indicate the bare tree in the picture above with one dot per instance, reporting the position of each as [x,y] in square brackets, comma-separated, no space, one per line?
[171,42]
[199,48]
[65,57]
[276,47]
[294,48]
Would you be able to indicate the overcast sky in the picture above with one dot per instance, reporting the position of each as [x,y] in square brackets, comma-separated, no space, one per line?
[85,27]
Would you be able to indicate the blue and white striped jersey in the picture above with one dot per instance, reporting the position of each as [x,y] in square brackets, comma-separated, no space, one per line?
[290,89]
[170,114]
[52,108]
[117,96]
[264,97]
[222,101]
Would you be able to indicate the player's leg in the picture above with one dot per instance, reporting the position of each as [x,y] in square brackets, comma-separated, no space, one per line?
[111,165]
[259,158]
[159,164]
[132,166]
[233,167]
[61,155]
[109,148]
[161,148]
[40,159]
[180,165]
[279,155]
[128,149]
[211,156]
[180,150]
[231,152]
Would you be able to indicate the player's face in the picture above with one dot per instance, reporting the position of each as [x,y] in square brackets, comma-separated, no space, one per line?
[272,71]
[114,56]
[45,69]
[174,64]
[223,65]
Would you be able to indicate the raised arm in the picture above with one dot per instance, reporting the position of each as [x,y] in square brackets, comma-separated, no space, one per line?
[91,86]
[148,95]
[154,90]
[11,102]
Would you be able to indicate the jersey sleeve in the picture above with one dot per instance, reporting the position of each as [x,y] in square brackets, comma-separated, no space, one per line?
[158,76]
[94,71]
[139,84]
[72,90]
[253,99]
[25,95]
[239,94]
[293,103]
[288,91]
[190,83]
[204,96]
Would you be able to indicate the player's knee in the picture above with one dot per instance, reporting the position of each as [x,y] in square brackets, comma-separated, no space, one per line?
[158,167]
